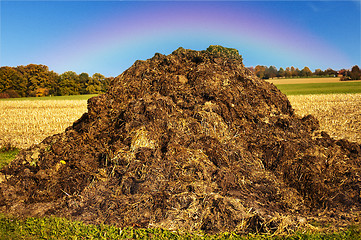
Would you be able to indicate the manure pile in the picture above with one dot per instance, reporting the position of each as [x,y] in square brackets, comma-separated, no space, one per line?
[191,141]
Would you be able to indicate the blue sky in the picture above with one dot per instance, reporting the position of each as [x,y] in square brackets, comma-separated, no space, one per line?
[108,36]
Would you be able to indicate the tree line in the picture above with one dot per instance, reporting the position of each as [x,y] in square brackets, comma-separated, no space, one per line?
[35,80]
[265,72]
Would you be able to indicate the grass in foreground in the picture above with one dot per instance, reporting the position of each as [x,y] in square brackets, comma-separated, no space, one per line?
[59,228]
[7,154]
[320,88]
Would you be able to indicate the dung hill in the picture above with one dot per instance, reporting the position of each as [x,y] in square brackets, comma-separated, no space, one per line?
[192,141]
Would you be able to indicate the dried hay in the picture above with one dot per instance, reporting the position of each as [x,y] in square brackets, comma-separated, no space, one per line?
[190,141]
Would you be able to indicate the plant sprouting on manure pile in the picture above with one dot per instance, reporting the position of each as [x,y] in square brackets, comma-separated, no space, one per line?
[192,141]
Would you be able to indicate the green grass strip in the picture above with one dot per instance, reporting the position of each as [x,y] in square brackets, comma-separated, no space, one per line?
[7,156]
[60,228]
[320,88]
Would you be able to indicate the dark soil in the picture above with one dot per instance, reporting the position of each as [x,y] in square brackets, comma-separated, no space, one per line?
[190,141]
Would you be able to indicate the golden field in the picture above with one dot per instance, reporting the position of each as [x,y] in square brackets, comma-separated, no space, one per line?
[279,81]
[339,114]
[27,122]
[23,123]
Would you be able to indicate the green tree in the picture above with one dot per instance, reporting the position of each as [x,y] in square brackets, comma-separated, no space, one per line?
[260,71]
[305,72]
[106,83]
[95,83]
[330,72]
[355,73]
[270,72]
[295,72]
[10,79]
[69,83]
[38,76]
[281,73]
[35,76]
[319,72]
[53,83]
[84,80]
[288,72]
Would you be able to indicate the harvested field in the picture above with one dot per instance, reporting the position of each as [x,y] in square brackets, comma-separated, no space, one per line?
[339,114]
[189,141]
[24,123]
[303,80]
[281,81]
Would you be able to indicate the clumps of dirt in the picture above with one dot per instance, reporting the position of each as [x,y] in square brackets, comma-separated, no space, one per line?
[192,141]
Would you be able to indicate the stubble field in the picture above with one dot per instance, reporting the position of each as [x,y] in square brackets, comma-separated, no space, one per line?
[280,81]
[339,114]
[27,122]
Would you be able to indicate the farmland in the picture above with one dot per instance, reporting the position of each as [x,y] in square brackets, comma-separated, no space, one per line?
[338,114]
[28,121]
[304,86]
[320,88]
[280,81]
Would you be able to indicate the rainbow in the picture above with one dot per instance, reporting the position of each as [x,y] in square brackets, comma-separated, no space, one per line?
[260,36]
